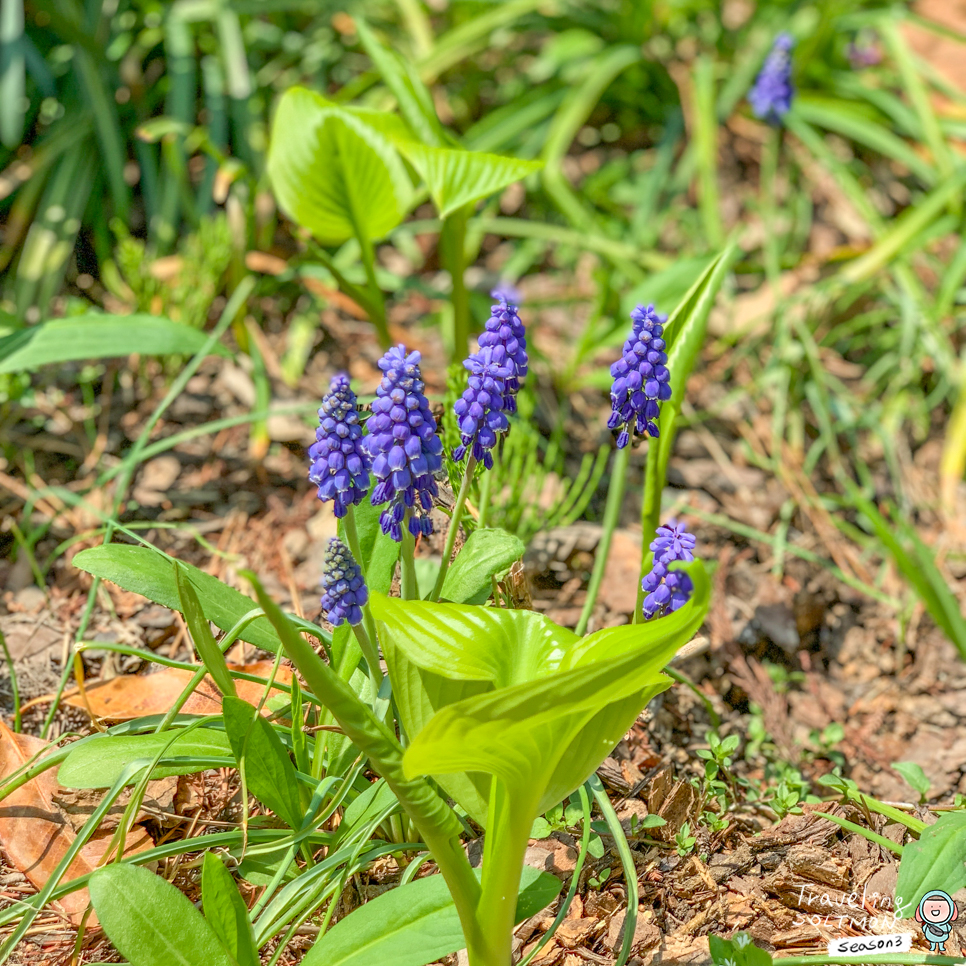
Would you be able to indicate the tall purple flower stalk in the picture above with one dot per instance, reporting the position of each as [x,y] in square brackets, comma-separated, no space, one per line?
[505,329]
[667,590]
[481,411]
[641,378]
[340,465]
[344,592]
[771,94]
[403,445]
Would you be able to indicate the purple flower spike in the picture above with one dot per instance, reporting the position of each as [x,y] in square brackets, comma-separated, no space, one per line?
[403,445]
[507,292]
[771,94]
[640,378]
[340,466]
[344,592]
[668,590]
[505,329]
[481,411]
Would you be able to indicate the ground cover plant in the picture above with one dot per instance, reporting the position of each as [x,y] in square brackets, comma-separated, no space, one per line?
[555,352]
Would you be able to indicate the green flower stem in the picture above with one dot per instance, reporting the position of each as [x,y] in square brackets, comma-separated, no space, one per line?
[650,517]
[769,203]
[454,527]
[453,244]
[486,485]
[352,538]
[408,589]
[377,304]
[615,497]
[371,655]
[507,834]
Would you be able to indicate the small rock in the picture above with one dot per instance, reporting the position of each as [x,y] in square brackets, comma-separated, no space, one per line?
[622,575]
[30,600]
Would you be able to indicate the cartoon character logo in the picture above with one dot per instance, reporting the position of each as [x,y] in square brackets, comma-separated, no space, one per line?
[935,913]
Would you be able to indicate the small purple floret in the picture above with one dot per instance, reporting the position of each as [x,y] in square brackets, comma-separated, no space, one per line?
[340,465]
[641,378]
[344,592]
[481,411]
[505,329]
[667,590]
[771,94]
[403,445]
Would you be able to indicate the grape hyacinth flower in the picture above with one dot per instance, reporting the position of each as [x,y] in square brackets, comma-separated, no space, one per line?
[640,377]
[344,591]
[403,445]
[668,590]
[505,329]
[480,411]
[340,465]
[771,94]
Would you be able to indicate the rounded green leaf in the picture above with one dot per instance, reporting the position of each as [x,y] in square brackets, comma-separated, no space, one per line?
[150,922]
[332,173]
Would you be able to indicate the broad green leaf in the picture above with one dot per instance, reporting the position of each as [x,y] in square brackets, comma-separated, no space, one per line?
[152,923]
[456,177]
[543,735]
[98,337]
[332,173]
[379,551]
[200,630]
[739,950]
[149,573]
[99,763]
[268,770]
[466,643]
[486,553]
[226,912]
[935,861]
[913,775]
[400,76]
[414,924]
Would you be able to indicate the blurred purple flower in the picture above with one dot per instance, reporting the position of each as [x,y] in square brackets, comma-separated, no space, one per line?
[771,95]
[340,465]
[344,592]
[507,292]
[668,590]
[865,54]
[403,445]
[640,377]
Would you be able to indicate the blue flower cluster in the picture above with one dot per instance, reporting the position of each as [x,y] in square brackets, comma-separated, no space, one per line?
[771,95]
[666,590]
[344,592]
[481,411]
[505,329]
[340,465]
[640,377]
[403,445]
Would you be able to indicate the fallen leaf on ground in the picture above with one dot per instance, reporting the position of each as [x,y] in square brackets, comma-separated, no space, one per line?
[36,834]
[134,695]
